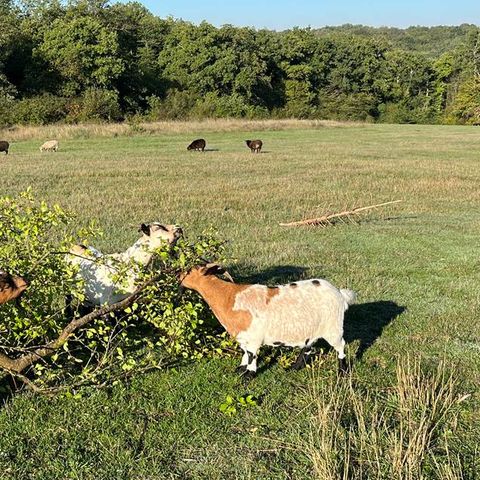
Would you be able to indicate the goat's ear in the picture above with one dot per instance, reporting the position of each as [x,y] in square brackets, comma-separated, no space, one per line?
[144,228]
[213,269]
[216,269]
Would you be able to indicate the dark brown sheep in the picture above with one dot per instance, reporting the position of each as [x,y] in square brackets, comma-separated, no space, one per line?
[254,145]
[4,146]
[198,144]
[10,287]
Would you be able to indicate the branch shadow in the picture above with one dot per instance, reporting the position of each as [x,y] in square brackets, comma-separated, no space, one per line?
[386,219]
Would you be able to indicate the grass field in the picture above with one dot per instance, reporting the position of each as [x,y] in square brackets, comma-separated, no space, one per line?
[410,406]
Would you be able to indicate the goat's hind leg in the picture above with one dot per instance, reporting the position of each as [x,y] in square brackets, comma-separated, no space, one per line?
[304,355]
[339,345]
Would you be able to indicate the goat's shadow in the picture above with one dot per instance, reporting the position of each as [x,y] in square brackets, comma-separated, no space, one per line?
[365,322]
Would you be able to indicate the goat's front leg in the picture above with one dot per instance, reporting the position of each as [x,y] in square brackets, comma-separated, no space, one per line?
[248,365]
[243,364]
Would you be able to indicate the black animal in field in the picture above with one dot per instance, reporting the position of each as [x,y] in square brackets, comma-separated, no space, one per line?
[4,146]
[198,145]
[254,145]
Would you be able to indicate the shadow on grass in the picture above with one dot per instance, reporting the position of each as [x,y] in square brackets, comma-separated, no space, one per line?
[276,275]
[8,386]
[366,321]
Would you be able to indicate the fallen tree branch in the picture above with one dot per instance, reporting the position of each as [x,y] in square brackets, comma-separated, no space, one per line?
[327,219]
[18,365]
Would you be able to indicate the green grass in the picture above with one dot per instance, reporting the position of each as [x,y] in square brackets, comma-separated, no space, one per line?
[414,265]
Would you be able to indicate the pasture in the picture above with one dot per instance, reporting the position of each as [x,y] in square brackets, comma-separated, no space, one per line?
[413,339]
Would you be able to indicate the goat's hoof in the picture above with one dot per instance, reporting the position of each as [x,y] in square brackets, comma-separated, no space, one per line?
[249,375]
[298,365]
[343,367]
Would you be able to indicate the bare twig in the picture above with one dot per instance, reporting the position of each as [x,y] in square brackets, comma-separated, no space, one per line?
[327,219]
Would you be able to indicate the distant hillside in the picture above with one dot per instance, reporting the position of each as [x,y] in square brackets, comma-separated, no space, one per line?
[430,41]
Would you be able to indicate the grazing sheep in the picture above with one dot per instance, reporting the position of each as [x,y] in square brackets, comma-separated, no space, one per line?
[4,146]
[11,287]
[96,269]
[294,315]
[254,145]
[198,144]
[49,146]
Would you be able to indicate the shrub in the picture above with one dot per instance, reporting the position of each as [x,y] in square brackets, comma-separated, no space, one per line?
[215,106]
[176,106]
[355,106]
[38,110]
[6,105]
[95,104]
[158,327]
[394,113]
[465,108]
[411,111]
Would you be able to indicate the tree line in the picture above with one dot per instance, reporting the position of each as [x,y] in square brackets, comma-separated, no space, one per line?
[84,60]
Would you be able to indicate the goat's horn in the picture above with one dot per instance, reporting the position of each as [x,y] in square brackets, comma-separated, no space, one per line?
[229,277]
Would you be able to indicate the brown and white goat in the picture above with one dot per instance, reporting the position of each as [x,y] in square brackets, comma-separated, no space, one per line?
[295,315]
[11,287]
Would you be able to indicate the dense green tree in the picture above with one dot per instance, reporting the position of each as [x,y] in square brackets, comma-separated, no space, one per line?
[301,71]
[83,52]
[221,62]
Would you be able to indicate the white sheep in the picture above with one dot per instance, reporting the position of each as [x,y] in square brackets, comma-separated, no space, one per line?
[295,315]
[49,146]
[97,269]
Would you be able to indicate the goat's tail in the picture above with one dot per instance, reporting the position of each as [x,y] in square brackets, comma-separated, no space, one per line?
[349,295]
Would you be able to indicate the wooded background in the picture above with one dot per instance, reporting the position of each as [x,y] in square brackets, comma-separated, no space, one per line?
[84,60]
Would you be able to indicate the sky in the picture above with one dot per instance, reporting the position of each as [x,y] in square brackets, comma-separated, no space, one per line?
[283,14]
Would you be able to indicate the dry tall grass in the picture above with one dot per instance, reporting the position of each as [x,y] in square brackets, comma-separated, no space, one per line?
[62,131]
[402,436]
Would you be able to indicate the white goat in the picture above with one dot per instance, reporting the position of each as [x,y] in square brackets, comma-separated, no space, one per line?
[49,146]
[294,315]
[97,269]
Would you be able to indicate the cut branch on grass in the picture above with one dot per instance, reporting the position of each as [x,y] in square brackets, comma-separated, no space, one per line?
[329,219]
[18,365]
